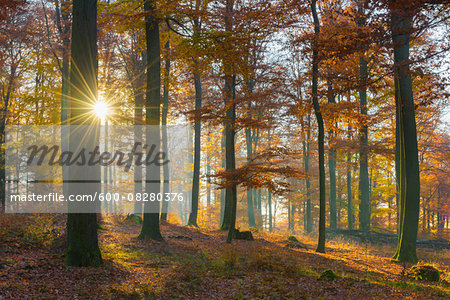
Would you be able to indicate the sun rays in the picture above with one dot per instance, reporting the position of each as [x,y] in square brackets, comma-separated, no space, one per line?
[101,109]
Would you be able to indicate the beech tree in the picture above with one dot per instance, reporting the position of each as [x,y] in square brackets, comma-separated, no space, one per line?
[197,26]
[364,205]
[409,188]
[82,240]
[320,141]
[150,225]
[165,112]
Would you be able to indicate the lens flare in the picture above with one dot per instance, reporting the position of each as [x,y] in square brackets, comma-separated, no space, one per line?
[101,109]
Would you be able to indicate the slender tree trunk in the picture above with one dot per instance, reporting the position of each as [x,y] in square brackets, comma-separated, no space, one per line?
[332,166]
[138,138]
[249,143]
[3,120]
[259,203]
[289,215]
[222,191]
[440,221]
[350,217]
[399,161]
[105,168]
[61,12]
[231,192]
[165,111]
[82,240]
[196,178]
[230,157]
[62,22]
[150,225]
[308,227]
[401,17]
[269,201]
[250,208]
[364,205]
[208,173]
[292,217]
[229,219]
[318,113]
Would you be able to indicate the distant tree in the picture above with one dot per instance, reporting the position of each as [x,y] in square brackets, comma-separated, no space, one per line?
[134,60]
[350,216]
[306,159]
[13,39]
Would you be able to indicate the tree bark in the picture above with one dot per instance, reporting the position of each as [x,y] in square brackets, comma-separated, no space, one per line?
[62,21]
[401,17]
[165,111]
[318,113]
[250,208]
[230,161]
[308,227]
[197,144]
[3,121]
[332,166]
[229,218]
[138,136]
[350,217]
[364,205]
[82,240]
[269,202]
[222,191]
[150,225]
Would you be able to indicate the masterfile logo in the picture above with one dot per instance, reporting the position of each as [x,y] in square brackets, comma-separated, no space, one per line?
[146,155]
[93,168]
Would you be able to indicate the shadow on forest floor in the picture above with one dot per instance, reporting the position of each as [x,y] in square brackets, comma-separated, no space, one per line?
[196,263]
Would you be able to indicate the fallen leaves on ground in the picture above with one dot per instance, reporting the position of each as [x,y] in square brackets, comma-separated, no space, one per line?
[196,263]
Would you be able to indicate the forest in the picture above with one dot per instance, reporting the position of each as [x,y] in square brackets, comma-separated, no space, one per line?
[224,149]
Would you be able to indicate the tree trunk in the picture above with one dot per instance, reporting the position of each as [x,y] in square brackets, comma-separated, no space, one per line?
[82,240]
[105,168]
[410,183]
[249,144]
[332,166]
[138,115]
[222,191]
[250,208]
[364,205]
[138,138]
[196,178]
[269,202]
[165,111]
[229,218]
[61,12]
[318,113]
[3,121]
[230,144]
[230,162]
[308,227]
[399,161]
[350,216]
[150,224]
[208,173]
[289,215]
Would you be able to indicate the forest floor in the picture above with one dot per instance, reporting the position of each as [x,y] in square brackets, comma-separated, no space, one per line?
[197,264]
